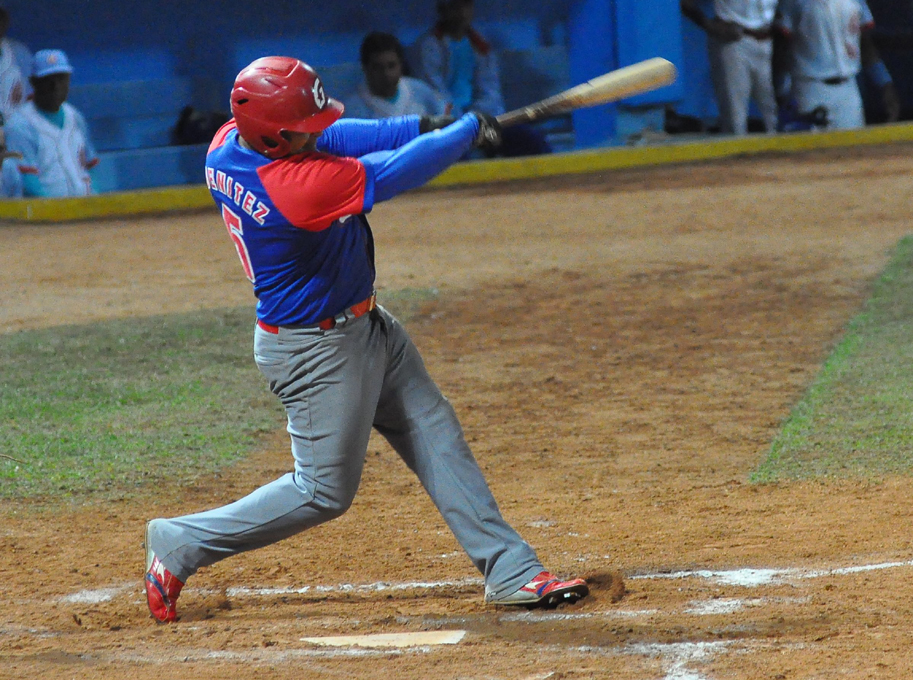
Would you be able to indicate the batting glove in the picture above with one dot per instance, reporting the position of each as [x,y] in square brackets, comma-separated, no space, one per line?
[489,137]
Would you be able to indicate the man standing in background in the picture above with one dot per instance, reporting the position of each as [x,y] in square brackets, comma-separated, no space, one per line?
[741,55]
[829,42]
[51,134]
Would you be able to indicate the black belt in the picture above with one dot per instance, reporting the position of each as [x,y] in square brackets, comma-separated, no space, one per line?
[837,80]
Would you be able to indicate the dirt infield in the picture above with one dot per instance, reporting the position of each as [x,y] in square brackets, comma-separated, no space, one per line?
[621,349]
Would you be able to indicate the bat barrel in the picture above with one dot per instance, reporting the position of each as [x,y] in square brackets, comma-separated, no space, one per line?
[635,79]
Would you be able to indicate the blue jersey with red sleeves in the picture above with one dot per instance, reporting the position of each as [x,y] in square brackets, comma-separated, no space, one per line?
[298,222]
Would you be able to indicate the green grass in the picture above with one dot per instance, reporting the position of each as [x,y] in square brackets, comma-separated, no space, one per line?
[106,409]
[857,417]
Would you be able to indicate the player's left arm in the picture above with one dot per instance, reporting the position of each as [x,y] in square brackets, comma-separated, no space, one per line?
[357,137]
[393,172]
[874,67]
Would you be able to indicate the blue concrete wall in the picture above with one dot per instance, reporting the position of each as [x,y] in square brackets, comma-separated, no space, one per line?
[114,40]
[608,34]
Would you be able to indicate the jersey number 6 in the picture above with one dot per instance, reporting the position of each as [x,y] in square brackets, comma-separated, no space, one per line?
[236,231]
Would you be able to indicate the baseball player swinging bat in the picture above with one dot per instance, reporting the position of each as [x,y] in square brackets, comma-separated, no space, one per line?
[635,79]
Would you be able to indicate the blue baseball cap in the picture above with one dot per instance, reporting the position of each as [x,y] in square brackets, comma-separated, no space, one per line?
[49,62]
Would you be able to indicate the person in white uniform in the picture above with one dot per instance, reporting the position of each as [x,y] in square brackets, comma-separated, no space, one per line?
[829,44]
[385,91]
[741,55]
[13,73]
[51,134]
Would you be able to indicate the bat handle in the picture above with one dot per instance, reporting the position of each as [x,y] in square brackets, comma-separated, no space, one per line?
[513,118]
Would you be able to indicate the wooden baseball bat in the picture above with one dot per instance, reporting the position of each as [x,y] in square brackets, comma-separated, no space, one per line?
[638,78]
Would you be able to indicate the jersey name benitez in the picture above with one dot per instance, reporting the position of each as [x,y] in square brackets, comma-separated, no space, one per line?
[244,198]
[297,225]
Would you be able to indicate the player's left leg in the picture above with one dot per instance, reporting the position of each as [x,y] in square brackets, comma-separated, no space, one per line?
[762,83]
[329,382]
[735,62]
[422,427]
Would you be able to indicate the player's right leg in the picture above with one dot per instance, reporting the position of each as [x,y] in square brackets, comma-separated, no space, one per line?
[329,382]
[422,427]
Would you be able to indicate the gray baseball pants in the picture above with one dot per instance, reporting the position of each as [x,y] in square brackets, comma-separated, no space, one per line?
[742,71]
[845,110]
[336,385]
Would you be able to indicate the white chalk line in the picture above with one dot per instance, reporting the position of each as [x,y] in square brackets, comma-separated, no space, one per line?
[99,595]
[735,577]
[108,593]
[380,586]
[266,656]
[730,605]
[679,658]
[751,578]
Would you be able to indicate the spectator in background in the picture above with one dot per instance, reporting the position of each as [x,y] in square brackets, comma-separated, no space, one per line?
[741,54]
[829,42]
[10,177]
[385,91]
[462,66]
[51,134]
[15,68]
[459,63]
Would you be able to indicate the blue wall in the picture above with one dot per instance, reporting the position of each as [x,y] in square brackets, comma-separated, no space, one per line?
[610,34]
[210,41]
[216,39]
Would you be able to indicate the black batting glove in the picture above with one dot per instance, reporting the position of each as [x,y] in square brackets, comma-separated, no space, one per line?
[429,123]
[489,137]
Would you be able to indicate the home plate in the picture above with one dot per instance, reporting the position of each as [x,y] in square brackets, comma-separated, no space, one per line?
[435,637]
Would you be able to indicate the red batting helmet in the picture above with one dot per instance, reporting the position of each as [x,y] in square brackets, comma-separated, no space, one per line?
[274,94]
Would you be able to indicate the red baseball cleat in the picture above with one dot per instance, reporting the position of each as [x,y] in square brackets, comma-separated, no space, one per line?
[162,588]
[546,591]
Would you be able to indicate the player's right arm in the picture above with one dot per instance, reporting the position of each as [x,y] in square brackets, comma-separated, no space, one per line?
[314,191]
[422,159]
